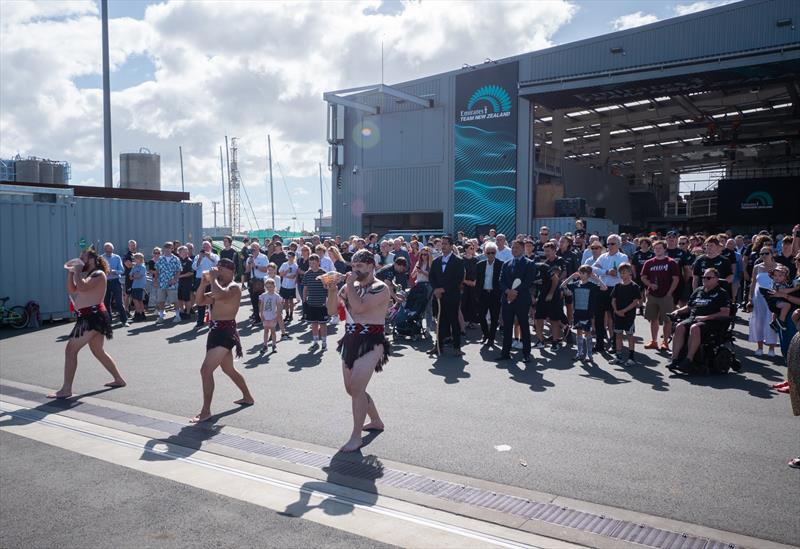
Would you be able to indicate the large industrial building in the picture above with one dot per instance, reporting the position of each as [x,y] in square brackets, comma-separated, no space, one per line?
[603,128]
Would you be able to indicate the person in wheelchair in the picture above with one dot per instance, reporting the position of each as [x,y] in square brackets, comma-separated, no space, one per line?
[708,312]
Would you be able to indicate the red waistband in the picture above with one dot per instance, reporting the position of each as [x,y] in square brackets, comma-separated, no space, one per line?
[364,328]
[86,311]
[223,324]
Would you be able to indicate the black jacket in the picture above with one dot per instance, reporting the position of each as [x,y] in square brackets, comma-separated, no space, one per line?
[498,268]
[524,270]
[450,279]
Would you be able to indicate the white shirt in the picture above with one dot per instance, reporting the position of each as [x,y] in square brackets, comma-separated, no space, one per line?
[202,264]
[260,261]
[288,268]
[274,278]
[605,263]
[445,259]
[487,280]
[504,255]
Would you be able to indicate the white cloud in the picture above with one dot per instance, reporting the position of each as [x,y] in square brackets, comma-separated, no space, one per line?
[631,20]
[237,68]
[685,9]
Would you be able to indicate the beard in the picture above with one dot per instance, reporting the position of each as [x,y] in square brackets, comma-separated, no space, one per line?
[87,268]
[361,276]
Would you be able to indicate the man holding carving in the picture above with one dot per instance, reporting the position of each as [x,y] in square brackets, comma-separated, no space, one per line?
[516,279]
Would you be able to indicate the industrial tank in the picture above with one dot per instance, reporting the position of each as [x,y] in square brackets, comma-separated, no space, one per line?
[140,170]
[46,172]
[60,173]
[27,171]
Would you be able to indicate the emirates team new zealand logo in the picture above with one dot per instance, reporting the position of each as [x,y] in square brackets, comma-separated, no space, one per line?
[487,102]
[758,200]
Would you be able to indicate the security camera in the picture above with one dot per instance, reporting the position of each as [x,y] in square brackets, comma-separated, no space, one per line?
[355,169]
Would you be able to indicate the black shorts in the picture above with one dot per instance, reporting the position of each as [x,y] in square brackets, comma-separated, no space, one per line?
[706,328]
[549,310]
[584,324]
[603,301]
[315,314]
[624,324]
[137,294]
[288,293]
[184,292]
[128,285]
[196,283]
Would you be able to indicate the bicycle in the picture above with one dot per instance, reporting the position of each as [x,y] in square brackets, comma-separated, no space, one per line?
[16,317]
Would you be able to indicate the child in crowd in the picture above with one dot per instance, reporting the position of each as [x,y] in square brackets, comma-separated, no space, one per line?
[585,286]
[138,276]
[270,309]
[185,280]
[780,307]
[272,273]
[625,298]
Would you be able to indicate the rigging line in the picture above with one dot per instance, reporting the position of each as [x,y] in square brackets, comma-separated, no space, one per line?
[285,186]
[247,196]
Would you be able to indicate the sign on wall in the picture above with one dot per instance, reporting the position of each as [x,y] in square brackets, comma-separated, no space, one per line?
[763,201]
[485,186]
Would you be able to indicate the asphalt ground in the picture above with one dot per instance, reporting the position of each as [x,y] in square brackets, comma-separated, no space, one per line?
[710,450]
[68,500]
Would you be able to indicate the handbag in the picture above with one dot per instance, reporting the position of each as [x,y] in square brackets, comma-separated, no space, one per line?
[256,285]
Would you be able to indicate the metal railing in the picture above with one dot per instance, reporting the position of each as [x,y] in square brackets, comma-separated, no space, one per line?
[705,206]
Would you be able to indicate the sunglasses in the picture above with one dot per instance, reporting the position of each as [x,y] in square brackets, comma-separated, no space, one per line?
[613,244]
[495,253]
[709,277]
[765,253]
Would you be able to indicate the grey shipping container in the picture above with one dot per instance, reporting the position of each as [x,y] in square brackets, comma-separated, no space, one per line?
[43,235]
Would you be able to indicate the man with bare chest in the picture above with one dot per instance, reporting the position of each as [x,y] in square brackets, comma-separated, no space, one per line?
[86,284]
[225,296]
[364,347]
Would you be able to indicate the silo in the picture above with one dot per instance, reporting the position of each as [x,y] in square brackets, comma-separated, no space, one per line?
[140,170]
[27,171]
[46,172]
[59,173]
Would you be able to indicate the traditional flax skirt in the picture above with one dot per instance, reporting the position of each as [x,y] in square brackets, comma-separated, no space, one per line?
[223,333]
[91,318]
[360,339]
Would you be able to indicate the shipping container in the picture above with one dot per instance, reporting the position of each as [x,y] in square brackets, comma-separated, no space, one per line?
[44,229]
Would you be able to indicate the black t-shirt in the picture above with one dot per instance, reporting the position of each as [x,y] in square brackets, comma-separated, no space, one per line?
[186,267]
[548,269]
[470,268]
[278,258]
[584,298]
[571,261]
[638,259]
[538,252]
[625,294]
[730,255]
[719,263]
[683,259]
[388,273]
[704,303]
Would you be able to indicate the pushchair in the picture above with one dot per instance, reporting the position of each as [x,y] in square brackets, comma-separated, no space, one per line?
[407,320]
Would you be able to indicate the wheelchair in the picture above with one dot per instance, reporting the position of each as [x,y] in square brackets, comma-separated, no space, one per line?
[717,354]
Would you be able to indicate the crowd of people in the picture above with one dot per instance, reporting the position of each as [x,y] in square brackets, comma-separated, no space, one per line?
[578,289]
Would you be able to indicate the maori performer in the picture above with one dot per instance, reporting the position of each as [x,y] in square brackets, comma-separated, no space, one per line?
[86,284]
[364,347]
[225,296]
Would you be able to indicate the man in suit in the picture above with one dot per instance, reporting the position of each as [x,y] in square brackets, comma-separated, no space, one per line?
[488,285]
[516,302]
[447,274]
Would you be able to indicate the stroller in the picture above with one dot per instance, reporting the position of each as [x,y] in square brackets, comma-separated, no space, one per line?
[407,319]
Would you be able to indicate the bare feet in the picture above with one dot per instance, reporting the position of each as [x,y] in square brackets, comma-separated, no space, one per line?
[244,402]
[201,417]
[116,384]
[353,445]
[60,394]
[373,426]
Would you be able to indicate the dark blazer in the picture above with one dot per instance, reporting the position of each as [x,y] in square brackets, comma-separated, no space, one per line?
[524,270]
[498,267]
[450,279]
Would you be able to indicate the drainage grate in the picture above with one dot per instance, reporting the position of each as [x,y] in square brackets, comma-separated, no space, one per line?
[478,497]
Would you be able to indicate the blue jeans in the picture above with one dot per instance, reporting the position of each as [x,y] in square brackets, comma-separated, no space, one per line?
[114,298]
[786,336]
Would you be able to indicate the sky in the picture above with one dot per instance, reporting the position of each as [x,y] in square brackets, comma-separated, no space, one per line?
[187,73]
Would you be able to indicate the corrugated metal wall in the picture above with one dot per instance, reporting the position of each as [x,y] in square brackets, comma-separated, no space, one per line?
[148,222]
[37,238]
[36,241]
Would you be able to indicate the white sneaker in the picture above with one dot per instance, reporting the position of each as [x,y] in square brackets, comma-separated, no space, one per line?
[324,346]
[771,352]
[759,352]
[516,344]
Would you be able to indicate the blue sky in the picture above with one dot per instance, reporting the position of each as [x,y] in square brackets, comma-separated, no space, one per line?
[186,74]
